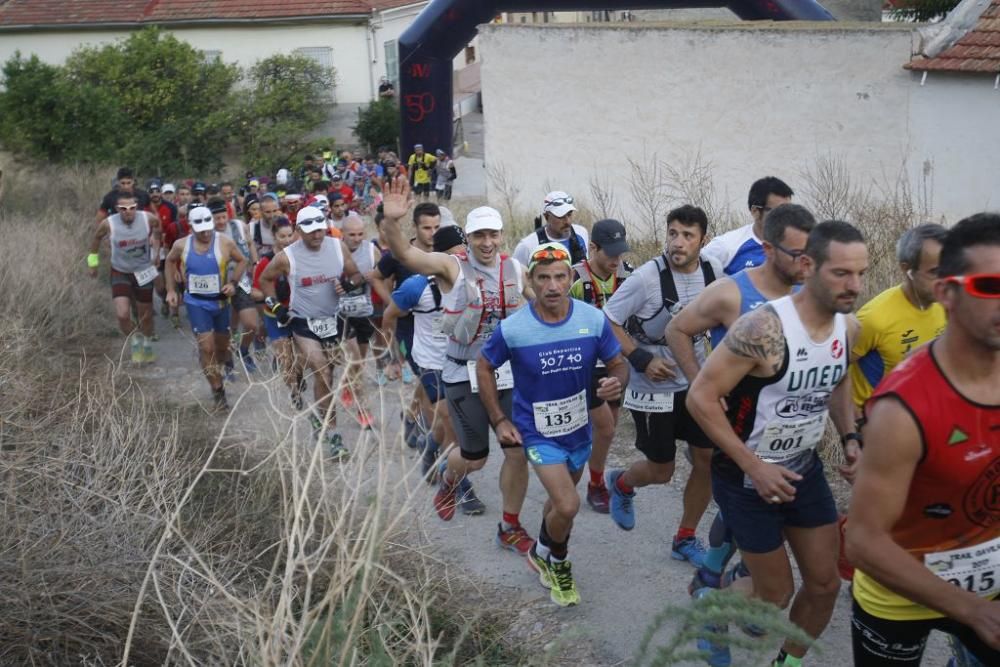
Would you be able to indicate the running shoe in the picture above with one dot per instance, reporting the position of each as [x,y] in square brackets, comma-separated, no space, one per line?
[737,571]
[408,376]
[514,539]
[148,356]
[346,398]
[621,508]
[541,566]
[716,653]
[365,420]
[219,402]
[428,458]
[410,432]
[704,578]
[690,549]
[468,500]
[249,363]
[336,446]
[136,350]
[175,320]
[230,371]
[445,500]
[598,499]
[563,591]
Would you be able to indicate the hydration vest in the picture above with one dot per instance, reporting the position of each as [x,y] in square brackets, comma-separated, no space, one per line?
[640,328]
[594,297]
[464,325]
[577,252]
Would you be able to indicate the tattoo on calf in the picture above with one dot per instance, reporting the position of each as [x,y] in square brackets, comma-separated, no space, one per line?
[758,335]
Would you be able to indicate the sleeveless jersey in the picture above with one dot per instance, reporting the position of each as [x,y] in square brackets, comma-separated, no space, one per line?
[312,276]
[204,274]
[235,232]
[129,243]
[783,418]
[422,297]
[953,498]
[736,251]
[750,299]
[358,302]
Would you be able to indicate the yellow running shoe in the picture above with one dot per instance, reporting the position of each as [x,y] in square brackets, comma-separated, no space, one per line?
[136,350]
[541,566]
[563,591]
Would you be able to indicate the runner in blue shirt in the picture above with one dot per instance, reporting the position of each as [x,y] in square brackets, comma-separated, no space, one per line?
[552,347]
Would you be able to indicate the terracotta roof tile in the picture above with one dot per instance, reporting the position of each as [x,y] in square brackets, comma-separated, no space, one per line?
[26,13]
[977,51]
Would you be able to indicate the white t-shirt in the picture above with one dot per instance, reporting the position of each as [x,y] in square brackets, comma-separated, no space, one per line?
[526,246]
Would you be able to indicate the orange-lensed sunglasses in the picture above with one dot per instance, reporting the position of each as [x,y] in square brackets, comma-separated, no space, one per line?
[980,285]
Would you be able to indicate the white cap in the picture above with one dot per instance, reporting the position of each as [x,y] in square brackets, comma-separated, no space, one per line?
[169,187]
[282,176]
[484,217]
[309,219]
[447,217]
[558,203]
[200,219]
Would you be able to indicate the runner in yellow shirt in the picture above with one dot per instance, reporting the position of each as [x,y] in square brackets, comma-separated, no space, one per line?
[902,318]
[421,166]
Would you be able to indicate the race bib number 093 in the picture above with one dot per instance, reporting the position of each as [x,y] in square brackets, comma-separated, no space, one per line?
[323,327]
[503,375]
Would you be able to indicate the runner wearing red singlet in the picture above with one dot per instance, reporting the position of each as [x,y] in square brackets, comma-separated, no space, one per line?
[924,527]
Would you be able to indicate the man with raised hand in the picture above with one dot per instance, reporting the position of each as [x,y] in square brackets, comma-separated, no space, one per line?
[479,289]
[209,266]
[318,269]
[924,526]
[552,347]
[781,370]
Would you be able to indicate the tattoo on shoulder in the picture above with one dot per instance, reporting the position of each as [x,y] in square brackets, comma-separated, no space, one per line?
[758,335]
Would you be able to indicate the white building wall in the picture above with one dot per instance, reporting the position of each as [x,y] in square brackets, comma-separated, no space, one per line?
[562,104]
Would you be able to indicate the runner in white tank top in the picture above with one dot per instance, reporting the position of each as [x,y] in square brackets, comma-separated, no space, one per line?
[780,370]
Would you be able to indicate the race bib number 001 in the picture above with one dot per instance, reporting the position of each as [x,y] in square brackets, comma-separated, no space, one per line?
[203,284]
[645,401]
[561,416]
[976,568]
[146,276]
[782,441]
[323,327]
[503,375]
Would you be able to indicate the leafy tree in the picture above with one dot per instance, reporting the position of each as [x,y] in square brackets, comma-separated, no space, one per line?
[921,11]
[289,96]
[179,106]
[44,115]
[378,124]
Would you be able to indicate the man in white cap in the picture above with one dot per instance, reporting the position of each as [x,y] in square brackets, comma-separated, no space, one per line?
[555,224]
[210,267]
[479,289]
[318,269]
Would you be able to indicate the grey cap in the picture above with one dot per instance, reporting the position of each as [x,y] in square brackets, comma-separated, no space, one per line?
[609,236]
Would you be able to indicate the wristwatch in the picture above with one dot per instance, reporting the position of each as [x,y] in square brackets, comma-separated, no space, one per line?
[851,436]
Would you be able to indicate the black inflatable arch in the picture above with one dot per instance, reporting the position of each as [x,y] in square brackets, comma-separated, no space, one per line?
[444,27]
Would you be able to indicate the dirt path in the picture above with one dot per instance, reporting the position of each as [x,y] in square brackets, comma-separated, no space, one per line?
[624,578]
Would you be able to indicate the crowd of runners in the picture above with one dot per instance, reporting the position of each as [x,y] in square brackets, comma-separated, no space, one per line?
[735,350]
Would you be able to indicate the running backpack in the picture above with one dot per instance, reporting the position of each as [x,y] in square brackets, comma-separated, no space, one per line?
[577,252]
[668,294]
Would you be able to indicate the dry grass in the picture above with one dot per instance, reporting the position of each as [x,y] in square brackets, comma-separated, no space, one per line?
[139,532]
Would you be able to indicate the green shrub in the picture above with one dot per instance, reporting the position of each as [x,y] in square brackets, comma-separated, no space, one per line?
[378,124]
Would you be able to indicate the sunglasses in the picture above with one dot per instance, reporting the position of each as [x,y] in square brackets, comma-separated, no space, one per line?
[127,208]
[550,255]
[310,221]
[559,202]
[198,221]
[794,254]
[980,285]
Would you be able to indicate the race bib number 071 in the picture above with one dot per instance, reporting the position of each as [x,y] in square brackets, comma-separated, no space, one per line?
[645,401]
[504,377]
